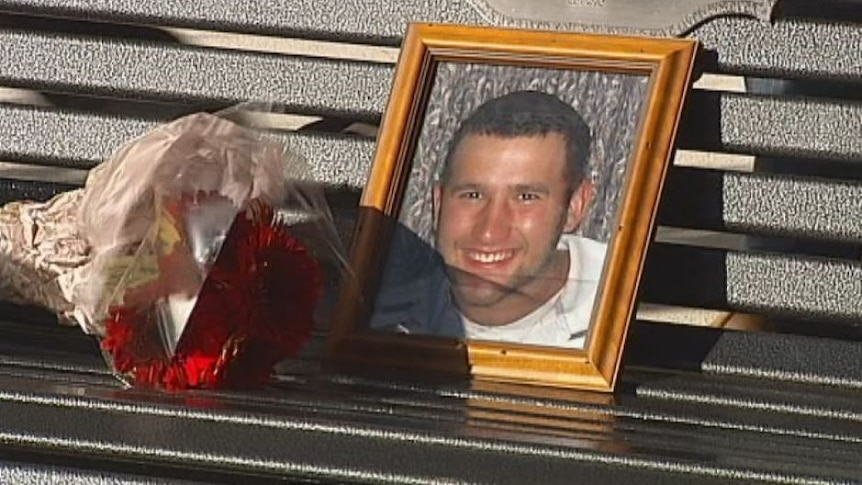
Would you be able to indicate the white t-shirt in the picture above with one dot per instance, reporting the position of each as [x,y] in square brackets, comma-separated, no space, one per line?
[424,305]
[563,320]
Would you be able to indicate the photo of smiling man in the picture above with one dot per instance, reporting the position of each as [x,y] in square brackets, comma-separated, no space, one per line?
[512,192]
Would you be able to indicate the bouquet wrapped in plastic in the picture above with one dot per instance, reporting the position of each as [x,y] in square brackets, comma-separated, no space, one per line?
[201,255]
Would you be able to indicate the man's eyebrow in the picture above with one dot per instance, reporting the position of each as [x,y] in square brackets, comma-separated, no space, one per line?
[465,186]
[536,188]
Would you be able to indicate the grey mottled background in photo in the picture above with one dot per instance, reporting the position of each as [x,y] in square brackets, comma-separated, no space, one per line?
[609,103]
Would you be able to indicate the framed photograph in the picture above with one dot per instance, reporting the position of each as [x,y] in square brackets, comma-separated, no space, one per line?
[503,228]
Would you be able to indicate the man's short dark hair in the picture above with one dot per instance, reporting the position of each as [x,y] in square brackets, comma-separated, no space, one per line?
[529,113]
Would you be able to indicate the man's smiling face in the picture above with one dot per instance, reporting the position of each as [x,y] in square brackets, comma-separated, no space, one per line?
[500,214]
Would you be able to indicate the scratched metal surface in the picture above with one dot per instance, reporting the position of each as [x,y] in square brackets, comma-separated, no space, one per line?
[385,19]
[660,428]
[808,206]
[740,31]
[747,124]
[753,124]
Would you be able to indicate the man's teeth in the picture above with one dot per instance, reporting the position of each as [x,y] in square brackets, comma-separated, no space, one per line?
[490,257]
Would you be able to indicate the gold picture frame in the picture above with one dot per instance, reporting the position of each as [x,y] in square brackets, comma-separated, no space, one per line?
[442,67]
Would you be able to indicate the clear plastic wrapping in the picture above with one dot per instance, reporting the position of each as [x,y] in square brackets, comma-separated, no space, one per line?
[207,251]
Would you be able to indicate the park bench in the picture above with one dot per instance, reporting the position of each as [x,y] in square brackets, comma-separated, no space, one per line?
[759,227]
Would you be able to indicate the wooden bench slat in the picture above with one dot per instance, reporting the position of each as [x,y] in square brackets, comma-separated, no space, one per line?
[742,123]
[377,21]
[14,471]
[761,125]
[746,45]
[761,203]
[787,358]
[745,124]
[114,67]
[65,139]
[791,48]
[80,140]
[754,282]
[764,204]
[834,403]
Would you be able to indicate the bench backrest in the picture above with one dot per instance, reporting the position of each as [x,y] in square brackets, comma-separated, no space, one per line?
[759,166]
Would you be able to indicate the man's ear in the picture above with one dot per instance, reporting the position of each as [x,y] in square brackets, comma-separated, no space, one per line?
[437,199]
[579,205]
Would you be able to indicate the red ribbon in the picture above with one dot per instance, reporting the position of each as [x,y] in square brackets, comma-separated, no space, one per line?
[256,308]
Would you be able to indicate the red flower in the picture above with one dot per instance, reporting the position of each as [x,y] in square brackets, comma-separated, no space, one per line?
[256,307]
